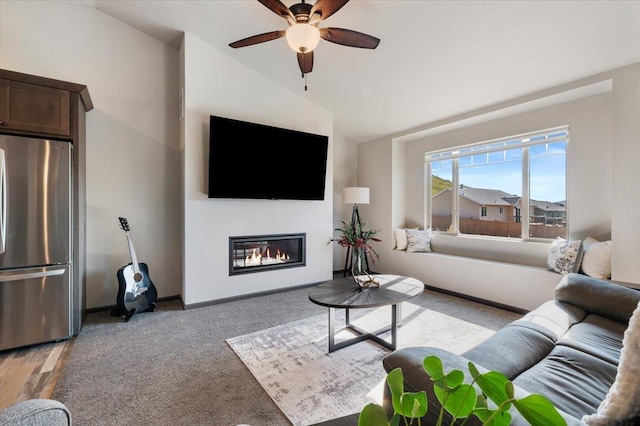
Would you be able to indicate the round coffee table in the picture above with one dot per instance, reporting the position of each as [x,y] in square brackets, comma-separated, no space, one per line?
[344,293]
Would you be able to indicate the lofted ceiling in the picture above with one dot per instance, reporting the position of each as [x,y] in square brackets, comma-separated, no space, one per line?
[436,59]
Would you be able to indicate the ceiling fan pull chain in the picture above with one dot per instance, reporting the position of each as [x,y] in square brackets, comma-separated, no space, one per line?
[305,82]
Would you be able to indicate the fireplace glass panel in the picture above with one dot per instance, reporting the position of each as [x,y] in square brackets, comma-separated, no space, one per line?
[265,252]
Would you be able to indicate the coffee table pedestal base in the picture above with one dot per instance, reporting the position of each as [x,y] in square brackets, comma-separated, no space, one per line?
[396,314]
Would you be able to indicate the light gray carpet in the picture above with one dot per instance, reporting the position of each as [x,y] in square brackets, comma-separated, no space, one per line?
[173,366]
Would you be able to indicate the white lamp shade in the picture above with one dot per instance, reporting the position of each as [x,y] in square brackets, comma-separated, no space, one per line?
[355,195]
[303,38]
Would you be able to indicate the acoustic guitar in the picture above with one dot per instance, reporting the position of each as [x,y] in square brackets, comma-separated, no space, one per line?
[136,292]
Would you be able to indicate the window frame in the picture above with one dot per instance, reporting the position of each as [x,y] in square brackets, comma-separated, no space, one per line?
[493,146]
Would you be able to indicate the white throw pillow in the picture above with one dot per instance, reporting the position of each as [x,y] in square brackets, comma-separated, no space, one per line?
[596,261]
[419,241]
[621,405]
[564,256]
[401,238]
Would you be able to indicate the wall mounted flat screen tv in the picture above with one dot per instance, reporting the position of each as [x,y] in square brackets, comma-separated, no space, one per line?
[256,161]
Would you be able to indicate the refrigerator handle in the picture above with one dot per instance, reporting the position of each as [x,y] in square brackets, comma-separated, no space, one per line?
[30,275]
[3,201]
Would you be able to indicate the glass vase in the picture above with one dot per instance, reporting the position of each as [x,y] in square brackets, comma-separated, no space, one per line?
[359,271]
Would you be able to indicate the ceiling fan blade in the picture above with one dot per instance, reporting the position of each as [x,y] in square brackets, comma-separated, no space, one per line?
[349,38]
[260,38]
[279,9]
[305,60]
[326,8]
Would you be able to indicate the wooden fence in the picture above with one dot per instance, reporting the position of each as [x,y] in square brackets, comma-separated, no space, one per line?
[500,229]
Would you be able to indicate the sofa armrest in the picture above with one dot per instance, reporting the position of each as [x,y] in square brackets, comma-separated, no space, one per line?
[36,412]
[598,296]
[410,360]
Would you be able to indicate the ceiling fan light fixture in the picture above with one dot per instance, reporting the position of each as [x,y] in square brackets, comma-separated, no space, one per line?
[302,37]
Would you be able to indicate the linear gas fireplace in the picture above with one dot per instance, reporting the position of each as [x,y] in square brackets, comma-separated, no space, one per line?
[266,252]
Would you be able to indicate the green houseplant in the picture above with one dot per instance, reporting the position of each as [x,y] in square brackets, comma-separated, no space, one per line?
[489,397]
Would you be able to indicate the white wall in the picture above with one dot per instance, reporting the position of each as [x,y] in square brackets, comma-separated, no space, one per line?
[344,175]
[215,84]
[602,159]
[132,133]
[626,175]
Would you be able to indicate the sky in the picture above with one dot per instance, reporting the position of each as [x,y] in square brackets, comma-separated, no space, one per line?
[547,174]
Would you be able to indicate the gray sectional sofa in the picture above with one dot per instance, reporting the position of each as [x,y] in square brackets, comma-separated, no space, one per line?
[568,350]
[36,412]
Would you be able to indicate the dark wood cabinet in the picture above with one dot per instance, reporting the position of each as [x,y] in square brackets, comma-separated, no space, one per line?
[41,107]
[34,108]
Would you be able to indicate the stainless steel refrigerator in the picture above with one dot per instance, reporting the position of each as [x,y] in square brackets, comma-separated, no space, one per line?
[35,241]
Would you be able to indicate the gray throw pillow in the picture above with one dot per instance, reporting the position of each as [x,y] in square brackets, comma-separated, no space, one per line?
[419,241]
[564,256]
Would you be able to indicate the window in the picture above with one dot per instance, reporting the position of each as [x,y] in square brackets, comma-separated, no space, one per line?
[510,187]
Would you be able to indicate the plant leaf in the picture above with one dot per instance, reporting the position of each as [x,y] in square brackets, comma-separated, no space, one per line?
[509,389]
[539,411]
[473,370]
[481,401]
[395,380]
[493,384]
[373,415]
[395,420]
[455,379]
[433,366]
[460,401]
[414,404]
[502,418]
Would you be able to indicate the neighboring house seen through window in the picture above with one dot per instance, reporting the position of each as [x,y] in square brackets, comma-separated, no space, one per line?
[517,184]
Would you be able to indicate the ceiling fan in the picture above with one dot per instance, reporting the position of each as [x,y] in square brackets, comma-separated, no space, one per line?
[303,34]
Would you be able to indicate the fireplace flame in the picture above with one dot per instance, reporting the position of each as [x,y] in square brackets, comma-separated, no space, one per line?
[256,258]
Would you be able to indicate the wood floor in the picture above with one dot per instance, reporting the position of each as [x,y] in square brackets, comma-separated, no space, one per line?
[32,371]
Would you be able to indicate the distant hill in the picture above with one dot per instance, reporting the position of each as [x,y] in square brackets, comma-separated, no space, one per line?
[438,184]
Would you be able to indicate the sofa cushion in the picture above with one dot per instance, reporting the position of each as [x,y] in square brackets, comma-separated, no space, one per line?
[552,318]
[511,350]
[576,382]
[598,296]
[621,405]
[597,336]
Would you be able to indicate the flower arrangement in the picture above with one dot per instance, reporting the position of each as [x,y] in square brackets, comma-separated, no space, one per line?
[355,237]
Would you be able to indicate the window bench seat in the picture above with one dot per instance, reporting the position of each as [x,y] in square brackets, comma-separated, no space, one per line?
[511,285]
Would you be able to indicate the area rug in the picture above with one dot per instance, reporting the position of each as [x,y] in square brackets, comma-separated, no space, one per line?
[311,385]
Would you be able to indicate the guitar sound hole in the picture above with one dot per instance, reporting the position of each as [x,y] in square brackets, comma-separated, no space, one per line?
[137,277]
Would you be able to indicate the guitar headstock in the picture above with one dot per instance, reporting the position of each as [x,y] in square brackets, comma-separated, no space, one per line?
[124,224]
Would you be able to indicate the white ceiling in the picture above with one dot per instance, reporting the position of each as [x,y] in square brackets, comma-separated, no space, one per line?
[436,59]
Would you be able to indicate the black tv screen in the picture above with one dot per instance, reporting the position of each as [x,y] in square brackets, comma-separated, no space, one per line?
[256,161]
